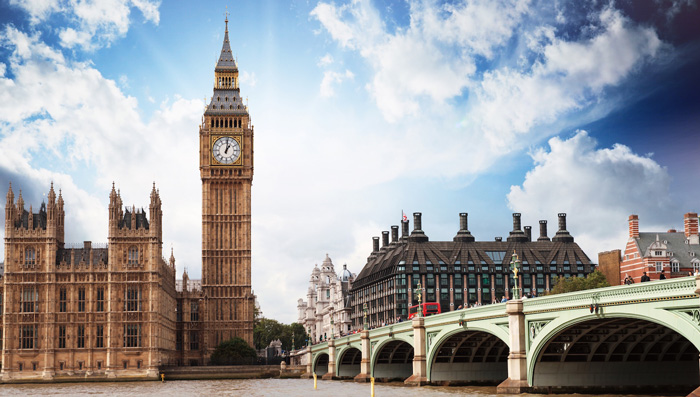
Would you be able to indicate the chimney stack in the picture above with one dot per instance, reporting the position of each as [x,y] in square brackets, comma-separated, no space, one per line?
[543,231]
[375,245]
[385,239]
[404,230]
[517,235]
[498,239]
[463,235]
[394,234]
[528,233]
[633,226]
[690,223]
[562,234]
[417,235]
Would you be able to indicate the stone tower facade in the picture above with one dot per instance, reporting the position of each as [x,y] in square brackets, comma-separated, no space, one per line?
[85,311]
[226,169]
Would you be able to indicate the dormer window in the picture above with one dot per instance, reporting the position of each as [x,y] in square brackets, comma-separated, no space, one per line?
[658,253]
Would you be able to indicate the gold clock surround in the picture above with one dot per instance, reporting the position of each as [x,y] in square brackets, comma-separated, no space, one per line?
[214,162]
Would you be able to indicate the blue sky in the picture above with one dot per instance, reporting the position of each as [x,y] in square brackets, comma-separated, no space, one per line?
[361,109]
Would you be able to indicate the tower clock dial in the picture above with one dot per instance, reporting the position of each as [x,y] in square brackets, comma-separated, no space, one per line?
[226,150]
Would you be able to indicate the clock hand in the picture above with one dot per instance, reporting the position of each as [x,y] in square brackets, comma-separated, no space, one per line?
[228,145]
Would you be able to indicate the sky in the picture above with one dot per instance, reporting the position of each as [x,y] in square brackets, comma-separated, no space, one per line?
[362,110]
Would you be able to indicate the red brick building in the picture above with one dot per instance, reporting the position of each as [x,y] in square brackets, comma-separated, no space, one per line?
[672,253]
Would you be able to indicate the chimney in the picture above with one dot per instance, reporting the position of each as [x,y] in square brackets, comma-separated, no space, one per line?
[562,235]
[517,235]
[499,239]
[385,239]
[87,245]
[633,226]
[543,231]
[528,233]
[516,221]
[404,230]
[375,245]
[394,234]
[463,234]
[417,235]
[690,222]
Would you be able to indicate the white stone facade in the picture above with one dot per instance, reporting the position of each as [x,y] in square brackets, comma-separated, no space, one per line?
[326,299]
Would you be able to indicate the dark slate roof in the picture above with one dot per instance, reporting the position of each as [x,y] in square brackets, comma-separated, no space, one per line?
[99,256]
[226,61]
[39,219]
[674,242]
[384,263]
[226,102]
[141,220]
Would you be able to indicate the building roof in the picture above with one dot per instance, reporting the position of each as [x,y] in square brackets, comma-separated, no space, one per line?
[675,242]
[226,61]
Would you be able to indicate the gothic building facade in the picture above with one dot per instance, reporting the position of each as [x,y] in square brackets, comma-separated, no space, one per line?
[459,273]
[327,309]
[102,311]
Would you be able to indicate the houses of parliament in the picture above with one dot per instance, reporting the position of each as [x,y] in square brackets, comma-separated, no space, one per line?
[116,310]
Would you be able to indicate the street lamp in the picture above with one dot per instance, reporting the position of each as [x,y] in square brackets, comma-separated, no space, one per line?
[364,314]
[514,266]
[332,325]
[419,294]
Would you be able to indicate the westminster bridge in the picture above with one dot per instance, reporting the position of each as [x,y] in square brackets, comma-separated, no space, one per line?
[639,336]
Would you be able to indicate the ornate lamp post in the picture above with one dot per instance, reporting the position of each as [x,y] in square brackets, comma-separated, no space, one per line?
[419,295]
[515,267]
[364,315]
[332,325]
[308,337]
[292,340]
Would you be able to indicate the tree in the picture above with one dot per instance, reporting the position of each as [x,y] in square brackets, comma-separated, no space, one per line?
[267,330]
[571,284]
[233,351]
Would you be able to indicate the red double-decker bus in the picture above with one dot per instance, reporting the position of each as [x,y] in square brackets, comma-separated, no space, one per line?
[427,309]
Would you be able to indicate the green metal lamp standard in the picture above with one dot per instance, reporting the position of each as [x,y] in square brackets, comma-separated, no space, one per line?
[332,326]
[515,267]
[364,314]
[419,294]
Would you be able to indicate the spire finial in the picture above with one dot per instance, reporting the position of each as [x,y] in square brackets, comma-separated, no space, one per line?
[226,20]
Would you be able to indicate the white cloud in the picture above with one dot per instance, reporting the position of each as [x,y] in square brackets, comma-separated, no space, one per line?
[248,79]
[597,187]
[330,79]
[80,123]
[95,23]
[325,60]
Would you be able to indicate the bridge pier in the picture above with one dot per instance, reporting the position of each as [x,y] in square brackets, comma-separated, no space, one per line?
[365,374]
[420,368]
[517,359]
[331,362]
[309,364]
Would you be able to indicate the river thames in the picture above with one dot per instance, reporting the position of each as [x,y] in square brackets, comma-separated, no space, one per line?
[248,388]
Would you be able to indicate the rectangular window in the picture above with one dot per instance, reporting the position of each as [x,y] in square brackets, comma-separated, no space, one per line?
[458,281]
[61,337]
[30,297]
[28,334]
[194,311]
[675,267]
[99,336]
[444,280]
[659,266]
[131,301]
[100,301]
[62,300]
[194,340]
[132,335]
[81,299]
[430,280]
[81,337]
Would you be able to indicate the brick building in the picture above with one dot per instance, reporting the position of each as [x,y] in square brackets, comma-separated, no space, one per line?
[461,272]
[672,253]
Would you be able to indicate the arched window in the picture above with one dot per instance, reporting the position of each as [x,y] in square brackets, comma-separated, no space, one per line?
[133,259]
[29,256]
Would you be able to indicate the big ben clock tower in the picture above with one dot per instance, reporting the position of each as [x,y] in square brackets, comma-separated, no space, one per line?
[226,168]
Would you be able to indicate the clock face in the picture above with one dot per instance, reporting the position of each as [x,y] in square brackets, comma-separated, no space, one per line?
[226,150]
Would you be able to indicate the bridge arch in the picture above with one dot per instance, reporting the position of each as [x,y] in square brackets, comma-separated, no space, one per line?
[617,350]
[392,358]
[349,359]
[469,355]
[320,364]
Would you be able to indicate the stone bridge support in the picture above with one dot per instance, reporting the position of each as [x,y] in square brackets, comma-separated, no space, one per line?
[420,369]
[365,374]
[331,362]
[309,364]
[517,359]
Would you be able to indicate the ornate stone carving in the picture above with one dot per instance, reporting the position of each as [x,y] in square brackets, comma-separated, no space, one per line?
[535,327]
